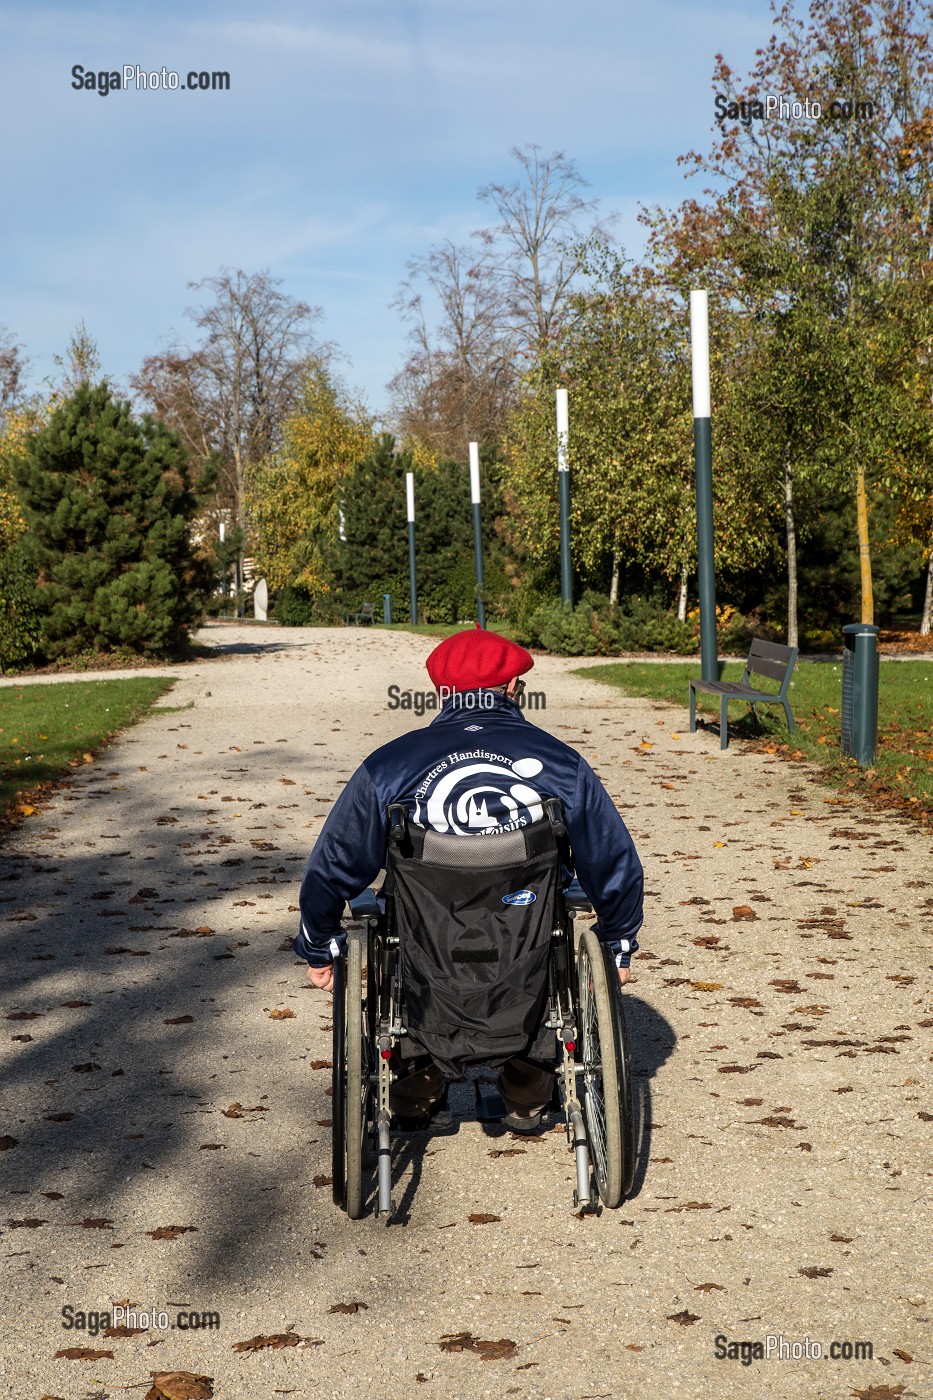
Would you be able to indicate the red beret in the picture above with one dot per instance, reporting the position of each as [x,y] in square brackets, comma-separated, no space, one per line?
[476,660]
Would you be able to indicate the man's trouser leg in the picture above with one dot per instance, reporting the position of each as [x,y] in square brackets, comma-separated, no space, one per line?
[525,1085]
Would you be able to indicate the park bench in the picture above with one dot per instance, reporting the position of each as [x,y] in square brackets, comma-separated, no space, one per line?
[365,614]
[764,659]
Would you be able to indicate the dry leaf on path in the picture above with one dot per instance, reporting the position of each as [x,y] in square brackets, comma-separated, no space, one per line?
[685,1318]
[83,1354]
[486,1350]
[286,1014]
[348,1307]
[171,1232]
[743,912]
[275,1341]
[179,1385]
[479,1218]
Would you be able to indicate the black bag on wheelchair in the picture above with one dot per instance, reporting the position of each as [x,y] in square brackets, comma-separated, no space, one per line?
[474,915]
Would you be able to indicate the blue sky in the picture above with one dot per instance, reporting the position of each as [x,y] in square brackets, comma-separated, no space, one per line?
[354,136]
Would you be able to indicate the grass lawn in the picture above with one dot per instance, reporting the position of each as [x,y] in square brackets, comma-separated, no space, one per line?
[902,774]
[46,731]
[444,629]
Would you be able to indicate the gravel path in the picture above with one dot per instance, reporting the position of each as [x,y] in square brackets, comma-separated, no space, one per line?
[780,1017]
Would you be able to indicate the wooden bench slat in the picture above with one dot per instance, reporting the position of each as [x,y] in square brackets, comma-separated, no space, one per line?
[763,666]
[777,651]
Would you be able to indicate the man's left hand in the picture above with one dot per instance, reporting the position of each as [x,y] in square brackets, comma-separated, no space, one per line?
[322,977]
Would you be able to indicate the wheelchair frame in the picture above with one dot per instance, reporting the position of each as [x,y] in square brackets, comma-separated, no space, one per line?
[585,1009]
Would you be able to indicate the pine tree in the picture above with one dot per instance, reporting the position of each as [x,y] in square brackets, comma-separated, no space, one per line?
[108,503]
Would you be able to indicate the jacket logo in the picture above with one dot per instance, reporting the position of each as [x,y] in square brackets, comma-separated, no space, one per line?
[520,897]
[488,794]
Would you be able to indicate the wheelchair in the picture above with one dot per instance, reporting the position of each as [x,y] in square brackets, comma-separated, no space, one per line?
[443,901]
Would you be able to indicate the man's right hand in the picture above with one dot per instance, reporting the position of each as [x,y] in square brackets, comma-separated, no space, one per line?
[322,977]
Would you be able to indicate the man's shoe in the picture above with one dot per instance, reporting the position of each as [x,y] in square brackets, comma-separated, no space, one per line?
[524,1122]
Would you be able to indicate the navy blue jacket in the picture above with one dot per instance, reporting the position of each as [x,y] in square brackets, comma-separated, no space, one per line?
[477,768]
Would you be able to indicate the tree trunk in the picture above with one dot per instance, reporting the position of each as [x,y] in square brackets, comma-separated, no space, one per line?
[614,582]
[682,600]
[791,555]
[926,621]
[864,549]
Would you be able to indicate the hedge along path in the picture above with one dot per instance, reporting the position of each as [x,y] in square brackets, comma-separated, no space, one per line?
[166,1135]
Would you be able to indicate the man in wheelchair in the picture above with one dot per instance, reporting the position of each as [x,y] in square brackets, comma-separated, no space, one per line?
[480,770]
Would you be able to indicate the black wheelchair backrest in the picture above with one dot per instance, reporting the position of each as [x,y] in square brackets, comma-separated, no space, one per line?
[474,916]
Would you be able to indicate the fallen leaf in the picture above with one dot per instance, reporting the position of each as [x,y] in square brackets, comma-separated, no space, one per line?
[101,1222]
[685,1318]
[322,1064]
[814,1271]
[706,986]
[179,1020]
[83,1354]
[275,1342]
[286,1014]
[478,1218]
[708,1287]
[879,1392]
[904,1356]
[487,1350]
[122,1331]
[24,1015]
[736,1069]
[348,1307]
[743,912]
[237,1110]
[171,1232]
[179,1385]
[322,1180]
[30,1224]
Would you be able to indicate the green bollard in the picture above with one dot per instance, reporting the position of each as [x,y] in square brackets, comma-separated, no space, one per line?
[860,692]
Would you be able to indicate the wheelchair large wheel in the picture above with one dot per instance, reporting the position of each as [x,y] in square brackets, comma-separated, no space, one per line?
[607,1089]
[351,1081]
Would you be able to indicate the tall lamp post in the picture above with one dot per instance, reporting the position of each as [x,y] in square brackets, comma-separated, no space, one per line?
[703,454]
[563,499]
[412,581]
[477,532]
